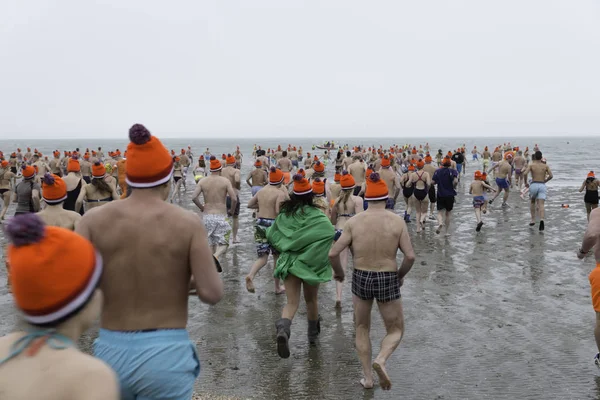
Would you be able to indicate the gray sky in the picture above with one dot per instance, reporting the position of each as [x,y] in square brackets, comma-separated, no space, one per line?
[331,68]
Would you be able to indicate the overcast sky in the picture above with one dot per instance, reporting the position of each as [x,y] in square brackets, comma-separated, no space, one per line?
[331,68]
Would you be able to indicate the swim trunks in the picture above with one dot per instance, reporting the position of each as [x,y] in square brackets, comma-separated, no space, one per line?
[256,189]
[218,229]
[236,213]
[390,204]
[161,364]
[263,248]
[502,183]
[338,234]
[381,286]
[591,197]
[295,163]
[594,278]
[537,191]
[445,203]
[478,201]
[518,171]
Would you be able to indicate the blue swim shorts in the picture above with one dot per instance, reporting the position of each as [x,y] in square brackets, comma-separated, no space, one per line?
[161,364]
[538,191]
[502,183]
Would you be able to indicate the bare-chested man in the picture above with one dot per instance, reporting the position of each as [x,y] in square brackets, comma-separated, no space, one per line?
[477,189]
[215,189]
[391,179]
[293,155]
[285,165]
[267,202]
[233,210]
[55,164]
[540,174]
[376,276]
[591,241]
[54,193]
[358,171]
[147,277]
[348,160]
[520,165]
[86,168]
[308,161]
[42,168]
[257,178]
[503,172]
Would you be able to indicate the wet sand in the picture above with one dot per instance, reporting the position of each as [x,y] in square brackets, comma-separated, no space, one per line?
[501,314]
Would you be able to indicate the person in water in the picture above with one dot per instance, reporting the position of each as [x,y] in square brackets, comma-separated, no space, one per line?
[302,235]
[591,193]
[97,193]
[54,193]
[376,276]
[55,275]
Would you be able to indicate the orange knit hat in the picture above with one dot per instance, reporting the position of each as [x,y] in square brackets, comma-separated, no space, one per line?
[420,164]
[385,162]
[428,159]
[230,159]
[275,176]
[319,167]
[54,272]
[376,188]
[447,162]
[301,185]
[86,156]
[149,163]
[347,181]
[4,163]
[337,177]
[98,170]
[302,172]
[591,175]
[73,165]
[215,165]
[411,167]
[318,187]
[478,175]
[54,189]
[258,164]
[28,171]
[369,170]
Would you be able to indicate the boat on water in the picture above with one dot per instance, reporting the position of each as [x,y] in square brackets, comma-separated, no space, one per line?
[327,146]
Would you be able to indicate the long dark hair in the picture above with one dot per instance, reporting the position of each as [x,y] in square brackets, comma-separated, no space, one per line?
[340,154]
[295,204]
[101,185]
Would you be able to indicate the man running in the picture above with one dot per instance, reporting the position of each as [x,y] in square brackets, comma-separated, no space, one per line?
[257,179]
[54,193]
[591,240]
[358,171]
[233,210]
[477,189]
[285,165]
[376,276]
[267,201]
[503,175]
[215,190]
[147,277]
[446,179]
[540,174]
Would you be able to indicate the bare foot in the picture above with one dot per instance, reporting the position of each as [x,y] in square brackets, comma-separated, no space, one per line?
[338,304]
[366,384]
[236,241]
[280,291]
[384,379]
[439,229]
[250,285]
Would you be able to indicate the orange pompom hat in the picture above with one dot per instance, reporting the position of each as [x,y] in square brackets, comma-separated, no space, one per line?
[275,176]
[54,272]
[302,172]
[215,165]
[319,167]
[258,164]
[230,160]
[318,187]
[478,175]
[98,170]
[73,165]
[301,185]
[385,162]
[86,156]
[28,172]
[376,188]
[149,163]
[428,159]
[4,163]
[347,181]
[591,175]
[54,189]
[369,170]
[337,177]
[420,164]
[447,162]
[508,155]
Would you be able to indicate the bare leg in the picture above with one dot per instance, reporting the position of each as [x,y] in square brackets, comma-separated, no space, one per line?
[432,210]
[588,210]
[506,193]
[496,195]
[293,286]
[541,210]
[362,322]
[279,287]
[440,218]
[418,208]
[340,285]
[448,213]
[257,266]
[236,227]
[6,198]
[393,319]
[311,295]
[220,250]
[478,214]
[532,212]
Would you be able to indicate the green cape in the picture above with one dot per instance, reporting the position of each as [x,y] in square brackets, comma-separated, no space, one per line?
[303,241]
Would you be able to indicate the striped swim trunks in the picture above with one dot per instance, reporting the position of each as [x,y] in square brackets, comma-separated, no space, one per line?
[381,286]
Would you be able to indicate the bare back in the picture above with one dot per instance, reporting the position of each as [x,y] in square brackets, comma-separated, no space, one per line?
[269,199]
[540,172]
[258,177]
[214,188]
[57,216]
[358,172]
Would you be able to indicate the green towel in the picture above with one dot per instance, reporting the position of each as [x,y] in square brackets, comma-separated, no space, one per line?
[303,241]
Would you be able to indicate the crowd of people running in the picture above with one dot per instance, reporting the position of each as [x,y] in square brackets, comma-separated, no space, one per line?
[91,236]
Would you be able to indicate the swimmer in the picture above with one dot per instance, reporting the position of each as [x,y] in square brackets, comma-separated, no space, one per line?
[345,206]
[504,169]
[54,194]
[358,171]
[446,180]
[140,236]
[376,277]
[540,175]
[258,178]
[591,193]
[233,174]
[430,169]
[407,192]
[391,179]
[421,182]
[215,189]
[97,193]
[55,276]
[286,166]
[520,164]
[477,189]
[177,178]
